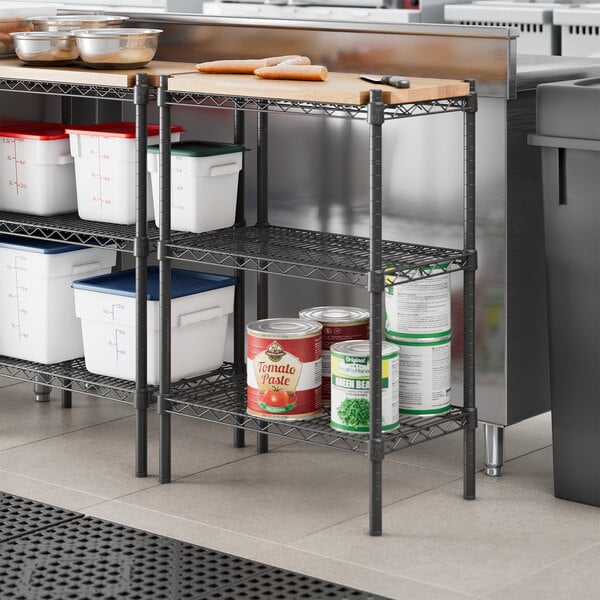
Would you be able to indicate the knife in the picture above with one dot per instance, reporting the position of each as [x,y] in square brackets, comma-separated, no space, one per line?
[394,80]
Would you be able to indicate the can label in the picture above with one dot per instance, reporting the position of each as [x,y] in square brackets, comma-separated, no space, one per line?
[338,333]
[284,377]
[424,376]
[350,384]
[419,308]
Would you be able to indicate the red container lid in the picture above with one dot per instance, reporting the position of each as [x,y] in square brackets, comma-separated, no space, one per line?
[122,129]
[34,131]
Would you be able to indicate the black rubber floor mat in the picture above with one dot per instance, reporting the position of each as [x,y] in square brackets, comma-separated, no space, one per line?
[92,559]
[20,516]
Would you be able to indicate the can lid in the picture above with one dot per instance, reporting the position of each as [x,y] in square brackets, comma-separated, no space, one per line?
[284,328]
[361,348]
[183,283]
[35,131]
[197,149]
[419,339]
[25,244]
[335,314]
[121,129]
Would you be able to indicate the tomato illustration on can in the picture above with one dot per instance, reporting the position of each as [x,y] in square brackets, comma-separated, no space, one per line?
[284,368]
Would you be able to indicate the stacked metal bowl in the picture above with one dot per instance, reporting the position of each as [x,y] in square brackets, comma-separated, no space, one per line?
[124,48]
[98,41]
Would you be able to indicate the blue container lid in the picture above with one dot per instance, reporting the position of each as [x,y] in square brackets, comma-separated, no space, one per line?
[25,244]
[183,283]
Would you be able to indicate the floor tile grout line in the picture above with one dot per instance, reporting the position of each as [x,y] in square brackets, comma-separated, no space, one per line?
[539,570]
[51,437]
[385,505]
[375,570]
[157,484]
[57,485]
[288,547]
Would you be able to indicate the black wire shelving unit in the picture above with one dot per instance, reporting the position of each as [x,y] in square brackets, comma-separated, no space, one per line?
[270,250]
[139,240]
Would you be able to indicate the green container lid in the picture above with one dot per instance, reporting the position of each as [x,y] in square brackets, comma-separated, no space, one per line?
[196,148]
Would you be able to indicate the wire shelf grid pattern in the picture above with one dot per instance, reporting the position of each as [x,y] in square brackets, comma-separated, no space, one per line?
[313,254]
[69,375]
[71,229]
[221,397]
[352,111]
[66,89]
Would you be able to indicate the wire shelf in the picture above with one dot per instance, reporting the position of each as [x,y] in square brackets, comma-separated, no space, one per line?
[67,89]
[220,397]
[313,254]
[351,111]
[70,228]
[70,375]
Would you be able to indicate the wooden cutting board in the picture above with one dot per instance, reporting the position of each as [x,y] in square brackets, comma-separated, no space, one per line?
[77,74]
[343,88]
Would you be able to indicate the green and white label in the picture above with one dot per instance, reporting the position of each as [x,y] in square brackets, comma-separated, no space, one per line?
[419,308]
[424,382]
[350,385]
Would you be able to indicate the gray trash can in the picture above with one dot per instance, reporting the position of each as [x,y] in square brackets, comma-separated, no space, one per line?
[568,131]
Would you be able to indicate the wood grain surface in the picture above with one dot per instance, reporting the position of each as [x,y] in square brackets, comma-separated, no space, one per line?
[78,74]
[344,88]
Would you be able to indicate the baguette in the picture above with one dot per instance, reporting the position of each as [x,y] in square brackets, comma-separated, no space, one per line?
[300,72]
[247,66]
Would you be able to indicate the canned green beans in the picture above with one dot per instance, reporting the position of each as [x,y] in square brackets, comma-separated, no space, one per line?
[350,385]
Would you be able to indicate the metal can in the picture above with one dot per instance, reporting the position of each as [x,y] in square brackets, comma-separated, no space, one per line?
[425,375]
[350,385]
[340,324]
[420,308]
[284,368]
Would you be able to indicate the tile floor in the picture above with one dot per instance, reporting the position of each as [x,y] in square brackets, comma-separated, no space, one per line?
[304,508]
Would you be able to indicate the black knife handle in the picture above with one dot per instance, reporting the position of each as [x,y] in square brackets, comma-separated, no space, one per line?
[395,81]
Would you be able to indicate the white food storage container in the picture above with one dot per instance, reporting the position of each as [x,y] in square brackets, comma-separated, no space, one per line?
[37,309]
[204,184]
[37,176]
[200,305]
[105,157]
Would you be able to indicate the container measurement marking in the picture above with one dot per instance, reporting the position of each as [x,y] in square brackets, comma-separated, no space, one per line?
[17,295]
[115,344]
[101,156]
[17,161]
[111,311]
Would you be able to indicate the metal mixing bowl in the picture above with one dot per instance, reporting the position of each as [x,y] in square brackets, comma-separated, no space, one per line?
[71,22]
[117,48]
[40,48]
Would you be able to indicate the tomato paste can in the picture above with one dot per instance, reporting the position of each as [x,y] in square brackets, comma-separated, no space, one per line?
[340,324]
[425,375]
[419,308]
[284,368]
[350,385]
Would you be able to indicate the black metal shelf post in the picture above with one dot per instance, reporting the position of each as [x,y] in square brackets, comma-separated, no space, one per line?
[469,295]
[164,341]
[376,323]
[139,239]
[219,396]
